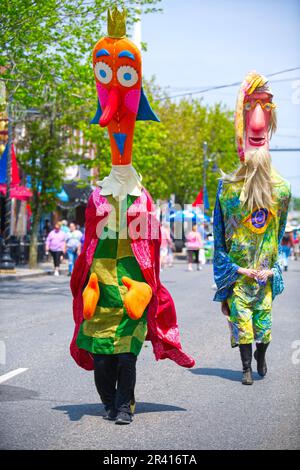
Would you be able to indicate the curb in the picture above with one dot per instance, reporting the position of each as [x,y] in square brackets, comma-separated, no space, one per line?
[16,276]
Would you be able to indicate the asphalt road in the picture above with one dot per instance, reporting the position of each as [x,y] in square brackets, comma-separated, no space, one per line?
[53,404]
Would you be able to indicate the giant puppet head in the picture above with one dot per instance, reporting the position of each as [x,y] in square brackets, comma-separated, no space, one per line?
[255,122]
[121,100]
[255,117]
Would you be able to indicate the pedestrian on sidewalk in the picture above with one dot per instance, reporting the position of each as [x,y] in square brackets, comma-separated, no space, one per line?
[166,245]
[193,245]
[55,244]
[287,244]
[73,244]
[64,226]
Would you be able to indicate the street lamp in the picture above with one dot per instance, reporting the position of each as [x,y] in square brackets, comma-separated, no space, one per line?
[6,262]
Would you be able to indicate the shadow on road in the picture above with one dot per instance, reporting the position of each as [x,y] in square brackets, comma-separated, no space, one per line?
[76,412]
[11,393]
[233,375]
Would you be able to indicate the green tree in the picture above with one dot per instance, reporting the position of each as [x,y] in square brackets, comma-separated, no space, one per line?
[45,62]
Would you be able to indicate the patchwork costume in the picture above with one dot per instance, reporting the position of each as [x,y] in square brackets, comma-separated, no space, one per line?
[250,240]
[119,300]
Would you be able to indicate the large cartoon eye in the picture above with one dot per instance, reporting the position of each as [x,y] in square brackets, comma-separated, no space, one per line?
[247,106]
[103,72]
[127,75]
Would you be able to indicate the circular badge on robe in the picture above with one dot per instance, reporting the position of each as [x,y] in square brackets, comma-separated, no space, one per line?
[258,220]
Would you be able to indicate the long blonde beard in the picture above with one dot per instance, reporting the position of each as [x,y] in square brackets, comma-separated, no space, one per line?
[255,171]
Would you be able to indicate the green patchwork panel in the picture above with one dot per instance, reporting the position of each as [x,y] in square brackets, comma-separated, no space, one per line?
[94,345]
[129,267]
[107,246]
[109,296]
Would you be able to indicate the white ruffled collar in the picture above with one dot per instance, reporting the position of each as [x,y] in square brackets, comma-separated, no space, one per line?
[122,180]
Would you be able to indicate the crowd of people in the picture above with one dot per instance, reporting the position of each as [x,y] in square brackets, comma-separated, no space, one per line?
[290,246]
[193,246]
[64,241]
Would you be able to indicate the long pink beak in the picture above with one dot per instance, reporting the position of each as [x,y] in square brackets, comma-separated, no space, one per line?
[111,108]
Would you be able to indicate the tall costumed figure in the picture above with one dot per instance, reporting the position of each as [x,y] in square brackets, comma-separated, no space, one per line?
[118,299]
[249,221]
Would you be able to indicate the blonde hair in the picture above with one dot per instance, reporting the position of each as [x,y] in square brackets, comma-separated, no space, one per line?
[255,171]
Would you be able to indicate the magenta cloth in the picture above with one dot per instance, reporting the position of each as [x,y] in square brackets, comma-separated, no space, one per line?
[163,329]
[55,240]
[193,241]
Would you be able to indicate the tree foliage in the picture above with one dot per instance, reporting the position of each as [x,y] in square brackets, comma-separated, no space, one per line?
[45,63]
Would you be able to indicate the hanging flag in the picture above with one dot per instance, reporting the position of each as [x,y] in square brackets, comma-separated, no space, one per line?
[199,199]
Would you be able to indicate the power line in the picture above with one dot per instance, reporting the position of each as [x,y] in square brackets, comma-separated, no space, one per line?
[218,87]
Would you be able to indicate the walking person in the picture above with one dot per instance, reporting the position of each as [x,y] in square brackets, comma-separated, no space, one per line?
[249,221]
[55,244]
[119,300]
[287,244]
[73,245]
[166,244]
[193,245]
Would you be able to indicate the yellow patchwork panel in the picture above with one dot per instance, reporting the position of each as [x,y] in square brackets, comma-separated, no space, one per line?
[140,332]
[122,344]
[105,268]
[105,322]
[124,248]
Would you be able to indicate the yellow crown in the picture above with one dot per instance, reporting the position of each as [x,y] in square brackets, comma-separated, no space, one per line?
[116,23]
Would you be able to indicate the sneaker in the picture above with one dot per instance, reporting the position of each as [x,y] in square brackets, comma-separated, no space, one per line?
[110,414]
[56,273]
[123,418]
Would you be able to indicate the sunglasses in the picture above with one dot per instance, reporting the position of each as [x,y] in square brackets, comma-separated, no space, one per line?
[252,104]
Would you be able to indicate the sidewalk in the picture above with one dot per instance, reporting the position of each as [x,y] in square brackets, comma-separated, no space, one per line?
[43,269]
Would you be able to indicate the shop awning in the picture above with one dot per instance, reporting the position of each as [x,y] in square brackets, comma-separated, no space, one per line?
[16,190]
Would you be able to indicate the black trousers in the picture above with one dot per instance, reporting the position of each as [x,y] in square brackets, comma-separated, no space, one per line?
[56,258]
[190,255]
[115,377]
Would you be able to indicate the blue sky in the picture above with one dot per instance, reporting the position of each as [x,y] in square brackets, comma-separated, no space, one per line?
[195,43]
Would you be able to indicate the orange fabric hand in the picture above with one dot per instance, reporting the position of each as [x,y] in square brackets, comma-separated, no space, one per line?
[137,298]
[90,296]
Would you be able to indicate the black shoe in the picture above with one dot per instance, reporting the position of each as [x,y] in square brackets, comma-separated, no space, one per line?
[123,418]
[247,377]
[110,414]
[285,268]
[260,357]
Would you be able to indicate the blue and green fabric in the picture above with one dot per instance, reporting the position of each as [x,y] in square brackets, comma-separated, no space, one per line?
[248,240]
[110,330]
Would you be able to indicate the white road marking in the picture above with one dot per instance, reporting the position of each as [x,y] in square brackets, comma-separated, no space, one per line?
[11,374]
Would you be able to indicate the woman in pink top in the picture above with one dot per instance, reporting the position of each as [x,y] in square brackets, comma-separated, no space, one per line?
[166,245]
[56,244]
[193,245]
